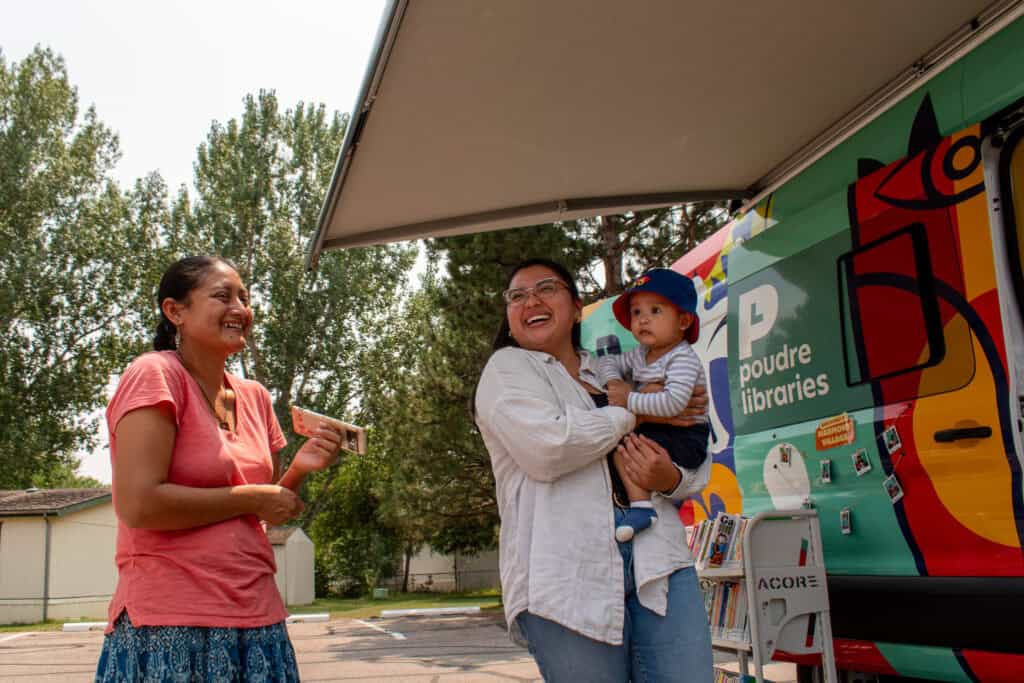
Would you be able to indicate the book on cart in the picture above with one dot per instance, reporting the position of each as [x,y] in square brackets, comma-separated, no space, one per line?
[723,676]
[726,604]
[715,544]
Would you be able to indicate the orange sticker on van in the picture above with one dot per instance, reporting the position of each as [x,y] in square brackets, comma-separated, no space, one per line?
[835,431]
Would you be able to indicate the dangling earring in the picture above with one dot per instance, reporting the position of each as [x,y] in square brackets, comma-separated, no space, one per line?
[177,338]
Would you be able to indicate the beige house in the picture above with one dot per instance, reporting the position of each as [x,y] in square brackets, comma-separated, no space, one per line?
[57,556]
[293,553]
[431,571]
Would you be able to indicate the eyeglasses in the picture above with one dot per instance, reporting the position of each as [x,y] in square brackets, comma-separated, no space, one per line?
[544,289]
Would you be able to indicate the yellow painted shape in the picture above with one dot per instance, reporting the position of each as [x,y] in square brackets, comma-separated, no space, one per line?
[724,484]
[971,478]
[975,233]
[590,308]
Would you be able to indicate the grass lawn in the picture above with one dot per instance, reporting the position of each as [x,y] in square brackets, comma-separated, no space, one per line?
[353,608]
[49,625]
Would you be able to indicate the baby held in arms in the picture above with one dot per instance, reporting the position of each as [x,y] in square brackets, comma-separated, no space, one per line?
[660,309]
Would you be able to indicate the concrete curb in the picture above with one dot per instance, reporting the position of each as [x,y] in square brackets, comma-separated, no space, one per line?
[308,618]
[79,626]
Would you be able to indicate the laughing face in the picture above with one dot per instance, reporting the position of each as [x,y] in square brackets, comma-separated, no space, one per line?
[216,315]
[539,322]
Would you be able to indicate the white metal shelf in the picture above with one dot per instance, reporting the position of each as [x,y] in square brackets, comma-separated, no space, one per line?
[728,644]
[721,573]
[783,575]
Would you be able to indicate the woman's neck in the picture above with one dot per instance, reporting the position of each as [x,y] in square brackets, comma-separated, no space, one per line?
[567,356]
[207,369]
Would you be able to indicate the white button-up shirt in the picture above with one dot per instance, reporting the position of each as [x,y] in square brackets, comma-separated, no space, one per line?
[558,554]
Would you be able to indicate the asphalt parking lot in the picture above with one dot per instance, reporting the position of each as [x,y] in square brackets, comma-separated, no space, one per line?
[438,648]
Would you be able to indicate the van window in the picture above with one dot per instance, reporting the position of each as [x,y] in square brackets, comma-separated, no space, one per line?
[888,287]
[898,315]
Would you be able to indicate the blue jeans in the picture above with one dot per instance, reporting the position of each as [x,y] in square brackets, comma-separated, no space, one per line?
[669,649]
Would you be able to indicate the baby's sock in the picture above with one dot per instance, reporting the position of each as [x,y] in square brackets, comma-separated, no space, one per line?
[639,516]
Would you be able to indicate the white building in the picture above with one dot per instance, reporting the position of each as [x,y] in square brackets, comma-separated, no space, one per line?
[434,572]
[293,553]
[56,554]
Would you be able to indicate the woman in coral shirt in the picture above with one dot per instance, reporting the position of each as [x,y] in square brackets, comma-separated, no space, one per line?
[195,475]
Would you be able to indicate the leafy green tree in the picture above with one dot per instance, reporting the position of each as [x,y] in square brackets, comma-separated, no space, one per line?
[354,549]
[72,273]
[259,181]
[623,246]
[64,477]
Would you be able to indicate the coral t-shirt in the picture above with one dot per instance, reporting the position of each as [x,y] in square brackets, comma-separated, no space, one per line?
[215,575]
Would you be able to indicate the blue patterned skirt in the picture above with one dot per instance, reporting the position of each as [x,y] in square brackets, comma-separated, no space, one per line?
[196,654]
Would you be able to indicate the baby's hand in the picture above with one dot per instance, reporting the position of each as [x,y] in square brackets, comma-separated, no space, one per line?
[618,393]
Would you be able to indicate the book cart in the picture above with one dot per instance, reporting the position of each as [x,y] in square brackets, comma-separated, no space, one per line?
[764,588]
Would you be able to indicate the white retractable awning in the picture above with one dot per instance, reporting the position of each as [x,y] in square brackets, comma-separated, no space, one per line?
[486,114]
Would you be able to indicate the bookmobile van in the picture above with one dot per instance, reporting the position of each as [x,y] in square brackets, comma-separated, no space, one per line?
[862,320]
[885,321]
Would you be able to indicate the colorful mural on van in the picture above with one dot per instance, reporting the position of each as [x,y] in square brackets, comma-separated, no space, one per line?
[863,316]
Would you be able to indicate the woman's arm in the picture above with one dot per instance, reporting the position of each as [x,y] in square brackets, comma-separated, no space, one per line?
[318,453]
[649,465]
[144,499]
[518,406]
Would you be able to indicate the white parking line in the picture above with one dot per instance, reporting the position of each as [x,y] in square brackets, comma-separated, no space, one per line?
[17,635]
[394,634]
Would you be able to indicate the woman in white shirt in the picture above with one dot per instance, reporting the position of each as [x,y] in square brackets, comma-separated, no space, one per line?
[589,608]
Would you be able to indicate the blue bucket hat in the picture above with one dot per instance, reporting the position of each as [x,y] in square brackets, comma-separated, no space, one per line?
[675,287]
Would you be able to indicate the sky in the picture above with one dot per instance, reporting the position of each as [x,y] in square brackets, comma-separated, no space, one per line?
[159,73]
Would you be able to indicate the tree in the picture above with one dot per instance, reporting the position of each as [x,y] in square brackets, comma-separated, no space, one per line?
[259,182]
[73,271]
[626,245]
[437,476]
[354,548]
[63,477]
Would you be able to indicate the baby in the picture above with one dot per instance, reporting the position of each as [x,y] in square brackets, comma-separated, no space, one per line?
[661,312]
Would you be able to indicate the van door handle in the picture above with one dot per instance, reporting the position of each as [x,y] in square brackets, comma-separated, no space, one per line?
[947,435]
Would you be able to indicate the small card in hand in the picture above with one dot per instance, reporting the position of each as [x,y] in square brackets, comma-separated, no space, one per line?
[305,422]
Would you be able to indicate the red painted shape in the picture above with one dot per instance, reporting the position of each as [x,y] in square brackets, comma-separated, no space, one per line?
[861,655]
[855,655]
[806,660]
[995,667]
[701,260]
